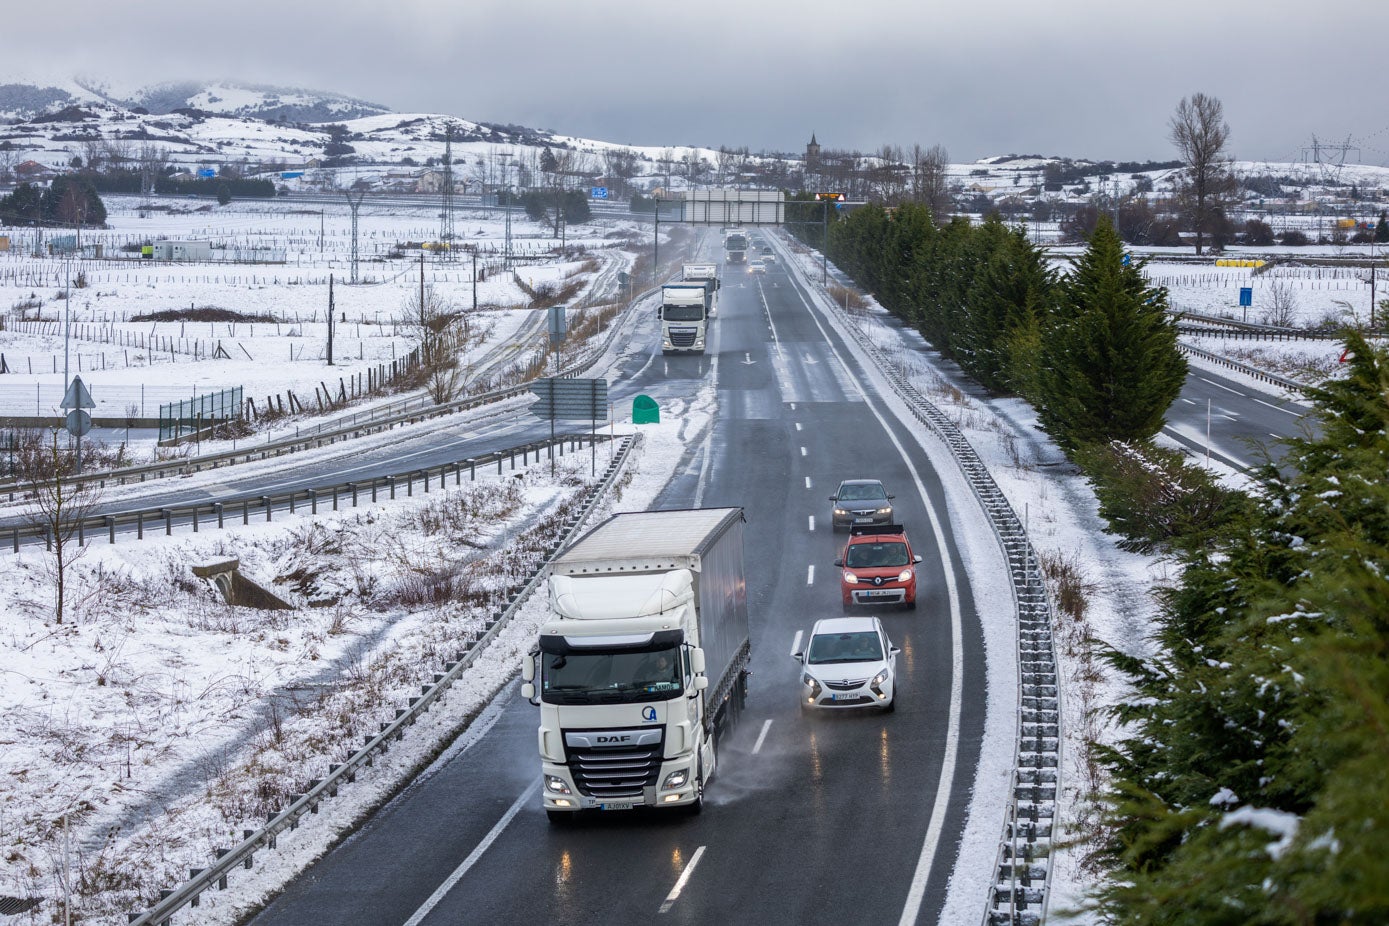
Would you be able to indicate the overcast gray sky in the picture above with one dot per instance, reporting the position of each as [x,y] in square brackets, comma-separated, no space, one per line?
[1085,78]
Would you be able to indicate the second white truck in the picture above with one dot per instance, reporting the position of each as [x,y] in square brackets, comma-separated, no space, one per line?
[642,665]
[684,318]
[708,274]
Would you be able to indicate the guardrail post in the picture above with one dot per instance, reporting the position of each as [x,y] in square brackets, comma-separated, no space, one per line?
[291,501]
[409,485]
[353,487]
[443,474]
[499,464]
[335,498]
[424,473]
[245,511]
[81,534]
[168,514]
[110,523]
[140,526]
[472,470]
[313,501]
[265,500]
[195,519]
[513,461]
[391,481]
[217,507]
[373,490]
[16,540]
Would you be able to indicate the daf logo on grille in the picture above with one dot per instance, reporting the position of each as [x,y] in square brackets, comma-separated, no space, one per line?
[612,739]
[877,580]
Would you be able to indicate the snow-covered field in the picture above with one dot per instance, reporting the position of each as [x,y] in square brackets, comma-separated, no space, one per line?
[128,363]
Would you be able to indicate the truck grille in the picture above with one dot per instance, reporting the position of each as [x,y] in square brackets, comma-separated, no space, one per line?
[684,337]
[616,772]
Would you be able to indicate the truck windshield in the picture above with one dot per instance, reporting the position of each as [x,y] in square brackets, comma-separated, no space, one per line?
[682,313]
[610,678]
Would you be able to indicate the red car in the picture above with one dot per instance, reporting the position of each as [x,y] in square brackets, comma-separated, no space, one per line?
[878,567]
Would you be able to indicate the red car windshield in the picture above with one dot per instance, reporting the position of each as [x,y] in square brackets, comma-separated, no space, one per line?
[869,555]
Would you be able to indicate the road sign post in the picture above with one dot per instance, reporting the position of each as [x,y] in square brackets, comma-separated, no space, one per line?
[582,399]
[77,399]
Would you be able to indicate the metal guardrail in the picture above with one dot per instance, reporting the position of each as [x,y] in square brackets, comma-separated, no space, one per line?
[1019,895]
[1238,328]
[316,439]
[243,855]
[345,493]
[1291,385]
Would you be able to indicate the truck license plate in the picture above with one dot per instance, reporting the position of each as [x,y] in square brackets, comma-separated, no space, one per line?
[616,806]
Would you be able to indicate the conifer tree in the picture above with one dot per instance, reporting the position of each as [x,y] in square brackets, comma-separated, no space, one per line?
[1011,292]
[1110,366]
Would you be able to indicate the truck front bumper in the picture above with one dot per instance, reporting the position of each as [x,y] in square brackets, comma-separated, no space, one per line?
[675,786]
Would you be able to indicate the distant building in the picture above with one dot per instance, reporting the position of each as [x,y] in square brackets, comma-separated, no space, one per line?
[33,172]
[182,250]
[812,151]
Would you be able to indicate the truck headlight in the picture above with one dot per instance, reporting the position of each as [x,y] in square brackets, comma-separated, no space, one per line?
[555,785]
[905,575]
[675,780]
[850,578]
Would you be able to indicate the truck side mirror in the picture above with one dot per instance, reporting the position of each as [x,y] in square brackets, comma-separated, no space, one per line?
[697,660]
[528,668]
[701,682]
[528,691]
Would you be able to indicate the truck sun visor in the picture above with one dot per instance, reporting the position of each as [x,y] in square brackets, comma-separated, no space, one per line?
[660,640]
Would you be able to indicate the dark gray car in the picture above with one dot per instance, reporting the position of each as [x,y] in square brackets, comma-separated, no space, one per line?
[860,501]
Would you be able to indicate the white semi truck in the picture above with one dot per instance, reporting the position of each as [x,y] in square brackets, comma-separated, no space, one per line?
[684,318]
[708,274]
[642,665]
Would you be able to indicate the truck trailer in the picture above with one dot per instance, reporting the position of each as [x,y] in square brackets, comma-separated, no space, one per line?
[684,317]
[642,665]
[708,274]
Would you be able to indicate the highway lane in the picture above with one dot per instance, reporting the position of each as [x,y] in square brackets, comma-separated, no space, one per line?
[1245,422]
[799,802]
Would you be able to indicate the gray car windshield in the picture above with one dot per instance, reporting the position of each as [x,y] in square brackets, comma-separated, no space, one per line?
[683,313]
[861,493]
[610,678]
[829,648]
[868,555]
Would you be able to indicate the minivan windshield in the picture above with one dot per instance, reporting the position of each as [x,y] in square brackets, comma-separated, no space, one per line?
[868,555]
[830,648]
[610,678]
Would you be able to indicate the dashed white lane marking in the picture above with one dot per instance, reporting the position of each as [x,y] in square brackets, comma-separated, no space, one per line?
[1279,408]
[807,482]
[1189,401]
[1226,388]
[471,860]
[812,522]
[796,643]
[761,737]
[684,879]
[802,451]
[810,574]
[798,425]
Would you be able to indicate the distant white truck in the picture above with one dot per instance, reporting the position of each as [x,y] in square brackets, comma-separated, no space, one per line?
[708,274]
[684,318]
[642,665]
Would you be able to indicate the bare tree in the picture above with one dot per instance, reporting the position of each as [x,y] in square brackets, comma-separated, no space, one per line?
[1282,308]
[57,504]
[931,179]
[442,331]
[152,159]
[621,166]
[1199,131]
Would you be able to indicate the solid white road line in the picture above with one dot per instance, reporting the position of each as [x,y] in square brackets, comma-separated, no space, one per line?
[761,737]
[684,879]
[810,574]
[796,643]
[472,858]
[812,522]
[916,892]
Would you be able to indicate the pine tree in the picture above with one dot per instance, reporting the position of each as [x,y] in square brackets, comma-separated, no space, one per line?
[1110,366]
[1010,293]
[1382,228]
